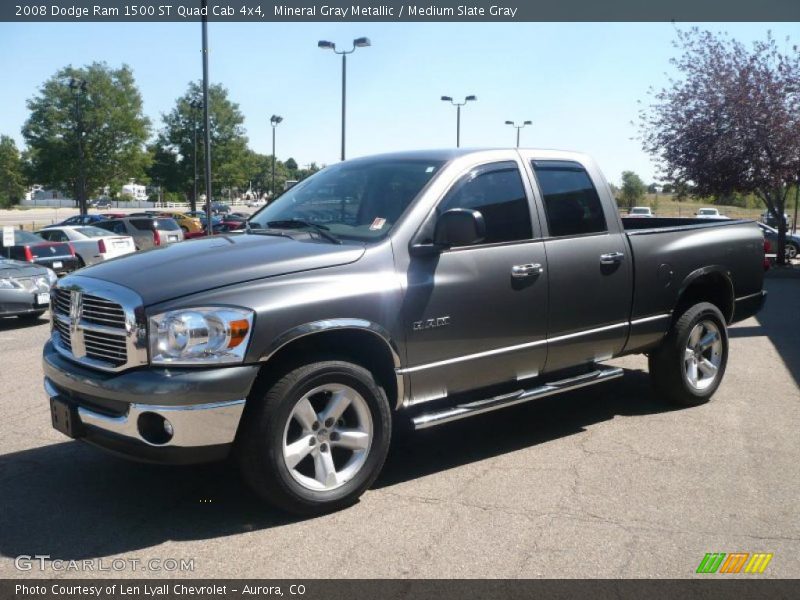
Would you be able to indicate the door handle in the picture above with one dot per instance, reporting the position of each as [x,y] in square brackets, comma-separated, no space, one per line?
[611,258]
[520,271]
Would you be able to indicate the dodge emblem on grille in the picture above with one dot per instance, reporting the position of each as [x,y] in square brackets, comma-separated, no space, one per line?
[75,314]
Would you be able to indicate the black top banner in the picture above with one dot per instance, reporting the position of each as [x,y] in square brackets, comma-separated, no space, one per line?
[388,11]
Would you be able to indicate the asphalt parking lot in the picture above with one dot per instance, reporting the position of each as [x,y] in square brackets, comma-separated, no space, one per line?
[603,482]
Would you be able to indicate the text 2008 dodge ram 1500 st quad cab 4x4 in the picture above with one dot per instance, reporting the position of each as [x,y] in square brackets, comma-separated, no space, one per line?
[430,286]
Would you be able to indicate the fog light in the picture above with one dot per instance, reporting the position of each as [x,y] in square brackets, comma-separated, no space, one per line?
[154,428]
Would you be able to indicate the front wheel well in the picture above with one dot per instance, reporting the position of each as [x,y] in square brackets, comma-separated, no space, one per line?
[713,287]
[361,347]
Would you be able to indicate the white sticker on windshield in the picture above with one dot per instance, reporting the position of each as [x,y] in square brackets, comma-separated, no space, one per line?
[377,224]
[429,169]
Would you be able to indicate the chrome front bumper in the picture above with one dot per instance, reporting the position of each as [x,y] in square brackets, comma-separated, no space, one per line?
[165,415]
[194,426]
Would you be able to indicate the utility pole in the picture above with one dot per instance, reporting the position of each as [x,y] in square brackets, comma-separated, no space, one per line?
[361,42]
[458,106]
[78,87]
[274,120]
[206,128]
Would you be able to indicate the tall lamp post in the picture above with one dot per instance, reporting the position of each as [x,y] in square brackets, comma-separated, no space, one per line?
[361,42]
[78,87]
[518,127]
[274,120]
[458,106]
[195,105]
[206,128]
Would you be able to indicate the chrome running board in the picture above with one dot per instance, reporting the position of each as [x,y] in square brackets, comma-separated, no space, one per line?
[469,409]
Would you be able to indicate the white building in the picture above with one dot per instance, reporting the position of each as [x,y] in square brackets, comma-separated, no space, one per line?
[135,191]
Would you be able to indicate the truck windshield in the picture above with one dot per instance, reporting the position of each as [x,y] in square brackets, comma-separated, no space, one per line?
[359,200]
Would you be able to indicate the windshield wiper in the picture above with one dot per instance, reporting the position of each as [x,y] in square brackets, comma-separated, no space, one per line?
[322,230]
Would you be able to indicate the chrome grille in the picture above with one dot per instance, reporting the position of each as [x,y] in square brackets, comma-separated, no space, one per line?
[98,327]
[103,312]
[63,331]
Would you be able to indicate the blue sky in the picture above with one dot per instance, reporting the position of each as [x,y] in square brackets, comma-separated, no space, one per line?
[578,82]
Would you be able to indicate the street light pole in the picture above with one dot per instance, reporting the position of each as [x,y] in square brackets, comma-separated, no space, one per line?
[274,120]
[458,106]
[361,42]
[78,87]
[206,128]
[518,127]
[195,105]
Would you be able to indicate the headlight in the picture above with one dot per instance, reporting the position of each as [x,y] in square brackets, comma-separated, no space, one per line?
[200,335]
[9,284]
[51,277]
[42,283]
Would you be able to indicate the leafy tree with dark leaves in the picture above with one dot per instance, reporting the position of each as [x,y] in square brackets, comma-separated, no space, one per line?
[731,121]
[107,116]
[12,178]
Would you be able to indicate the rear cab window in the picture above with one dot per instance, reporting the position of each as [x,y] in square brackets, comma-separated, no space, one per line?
[571,203]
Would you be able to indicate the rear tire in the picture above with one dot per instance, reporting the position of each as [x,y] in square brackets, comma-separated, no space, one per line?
[689,365]
[298,451]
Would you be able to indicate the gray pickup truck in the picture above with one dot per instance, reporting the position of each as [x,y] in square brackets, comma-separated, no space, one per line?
[421,287]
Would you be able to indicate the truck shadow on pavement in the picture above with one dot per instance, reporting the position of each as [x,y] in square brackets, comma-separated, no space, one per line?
[779,321]
[71,501]
[14,323]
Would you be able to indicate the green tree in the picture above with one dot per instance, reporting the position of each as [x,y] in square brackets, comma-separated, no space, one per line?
[259,169]
[310,169]
[175,146]
[633,189]
[12,179]
[107,117]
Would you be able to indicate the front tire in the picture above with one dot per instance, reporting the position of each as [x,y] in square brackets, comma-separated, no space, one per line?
[317,439]
[791,250]
[689,365]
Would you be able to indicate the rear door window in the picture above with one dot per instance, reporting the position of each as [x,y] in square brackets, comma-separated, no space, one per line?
[571,202]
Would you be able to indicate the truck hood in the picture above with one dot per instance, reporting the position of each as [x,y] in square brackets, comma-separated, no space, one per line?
[203,264]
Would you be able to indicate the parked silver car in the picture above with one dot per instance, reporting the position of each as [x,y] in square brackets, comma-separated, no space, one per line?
[147,232]
[24,289]
[92,244]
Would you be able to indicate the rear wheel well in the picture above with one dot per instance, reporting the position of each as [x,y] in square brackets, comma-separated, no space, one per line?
[714,288]
[352,345]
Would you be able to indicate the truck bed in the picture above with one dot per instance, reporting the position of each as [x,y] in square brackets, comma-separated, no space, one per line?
[669,253]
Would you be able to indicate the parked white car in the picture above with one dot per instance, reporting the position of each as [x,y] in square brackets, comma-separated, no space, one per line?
[257,202]
[92,244]
[641,211]
[709,213]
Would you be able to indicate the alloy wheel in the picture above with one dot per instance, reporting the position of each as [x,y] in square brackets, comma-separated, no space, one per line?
[703,355]
[327,437]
